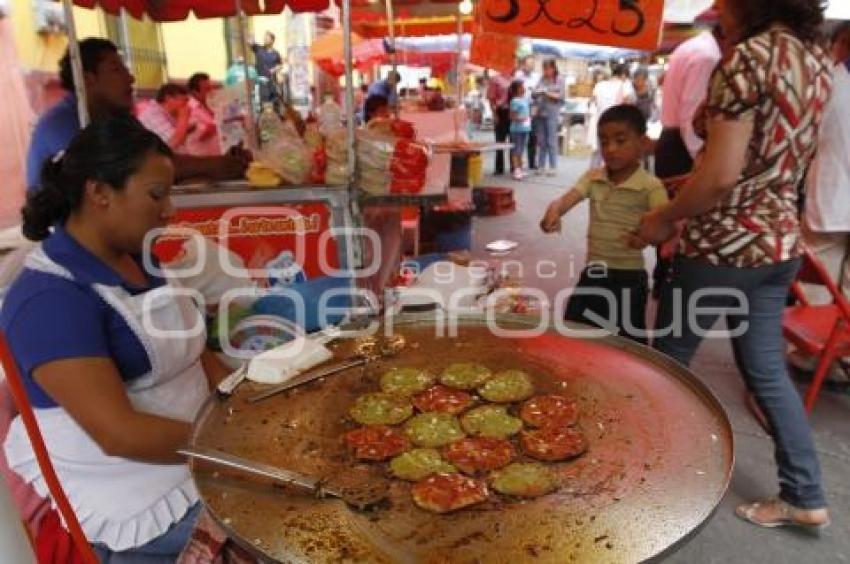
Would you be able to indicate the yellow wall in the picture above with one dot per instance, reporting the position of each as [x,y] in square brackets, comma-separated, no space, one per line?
[190,46]
[200,45]
[43,51]
[195,46]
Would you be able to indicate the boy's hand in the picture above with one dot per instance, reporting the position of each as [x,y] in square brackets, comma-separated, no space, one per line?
[551,222]
[633,241]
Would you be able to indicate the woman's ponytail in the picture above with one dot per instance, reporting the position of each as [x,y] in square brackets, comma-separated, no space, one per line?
[49,204]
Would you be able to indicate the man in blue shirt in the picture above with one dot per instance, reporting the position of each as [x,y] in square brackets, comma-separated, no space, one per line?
[386,88]
[268,61]
[109,91]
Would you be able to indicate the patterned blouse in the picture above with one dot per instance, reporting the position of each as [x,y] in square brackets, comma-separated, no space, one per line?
[782,85]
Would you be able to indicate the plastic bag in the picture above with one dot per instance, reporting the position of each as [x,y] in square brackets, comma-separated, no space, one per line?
[387,164]
[336,151]
[289,156]
[330,117]
[228,105]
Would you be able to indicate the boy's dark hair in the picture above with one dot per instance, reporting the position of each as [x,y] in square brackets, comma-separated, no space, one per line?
[91,52]
[195,81]
[169,90]
[625,113]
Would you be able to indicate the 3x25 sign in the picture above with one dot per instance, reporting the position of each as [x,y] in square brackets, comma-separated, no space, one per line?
[633,24]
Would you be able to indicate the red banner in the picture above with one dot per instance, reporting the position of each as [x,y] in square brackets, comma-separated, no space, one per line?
[633,24]
[261,237]
[494,51]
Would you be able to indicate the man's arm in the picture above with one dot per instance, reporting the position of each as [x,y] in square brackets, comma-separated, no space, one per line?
[694,91]
[227,167]
[182,128]
[720,170]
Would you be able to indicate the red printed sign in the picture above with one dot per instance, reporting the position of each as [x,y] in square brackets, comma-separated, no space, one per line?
[494,51]
[633,24]
[261,237]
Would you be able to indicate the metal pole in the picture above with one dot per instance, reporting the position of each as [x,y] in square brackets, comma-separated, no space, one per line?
[459,77]
[349,87]
[76,64]
[249,87]
[393,61]
[124,38]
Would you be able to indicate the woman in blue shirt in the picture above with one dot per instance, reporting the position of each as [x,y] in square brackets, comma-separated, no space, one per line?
[520,125]
[113,359]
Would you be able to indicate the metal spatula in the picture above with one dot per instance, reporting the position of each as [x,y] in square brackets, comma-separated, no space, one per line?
[360,498]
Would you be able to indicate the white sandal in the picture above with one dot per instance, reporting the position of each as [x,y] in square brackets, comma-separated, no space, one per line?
[747,512]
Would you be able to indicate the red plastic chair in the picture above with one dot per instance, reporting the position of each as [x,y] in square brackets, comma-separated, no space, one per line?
[819,331]
[54,544]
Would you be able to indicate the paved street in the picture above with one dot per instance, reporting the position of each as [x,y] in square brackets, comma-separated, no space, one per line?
[725,538]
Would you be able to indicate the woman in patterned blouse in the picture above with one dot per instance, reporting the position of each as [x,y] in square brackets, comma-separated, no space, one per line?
[741,246]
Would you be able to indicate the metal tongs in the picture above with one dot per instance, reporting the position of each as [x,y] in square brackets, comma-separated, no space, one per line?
[360,499]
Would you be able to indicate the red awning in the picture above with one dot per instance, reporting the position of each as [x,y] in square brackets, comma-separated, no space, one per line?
[177,10]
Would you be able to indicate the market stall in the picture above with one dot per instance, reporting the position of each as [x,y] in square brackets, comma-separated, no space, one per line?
[638,463]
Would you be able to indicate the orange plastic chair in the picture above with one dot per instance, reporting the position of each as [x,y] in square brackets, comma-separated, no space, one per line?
[819,331]
[59,549]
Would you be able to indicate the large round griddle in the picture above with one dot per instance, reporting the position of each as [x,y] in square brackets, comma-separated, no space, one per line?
[660,459]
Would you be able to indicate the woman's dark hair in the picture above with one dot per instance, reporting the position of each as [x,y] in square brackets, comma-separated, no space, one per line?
[551,63]
[108,151]
[374,103]
[803,17]
[513,89]
[620,70]
[91,52]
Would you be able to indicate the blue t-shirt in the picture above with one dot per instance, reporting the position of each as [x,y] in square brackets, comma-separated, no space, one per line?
[266,59]
[48,318]
[383,88]
[520,115]
[52,133]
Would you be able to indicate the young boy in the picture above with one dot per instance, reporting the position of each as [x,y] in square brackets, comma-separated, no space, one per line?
[619,195]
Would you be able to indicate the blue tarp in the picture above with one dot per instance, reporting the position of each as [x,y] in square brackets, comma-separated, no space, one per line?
[559,49]
[565,50]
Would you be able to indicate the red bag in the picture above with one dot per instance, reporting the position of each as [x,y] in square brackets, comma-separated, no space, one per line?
[54,544]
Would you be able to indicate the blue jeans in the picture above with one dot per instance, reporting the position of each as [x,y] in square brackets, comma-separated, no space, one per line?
[520,141]
[162,550]
[547,141]
[759,354]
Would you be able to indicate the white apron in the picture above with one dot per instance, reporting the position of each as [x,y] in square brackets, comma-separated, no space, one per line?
[122,503]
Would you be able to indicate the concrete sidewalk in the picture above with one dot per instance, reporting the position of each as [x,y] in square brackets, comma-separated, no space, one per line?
[724,538]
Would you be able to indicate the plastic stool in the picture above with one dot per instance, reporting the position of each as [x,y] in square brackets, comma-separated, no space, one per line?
[500,201]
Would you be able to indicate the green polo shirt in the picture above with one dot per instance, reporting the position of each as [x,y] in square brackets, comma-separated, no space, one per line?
[616,211]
